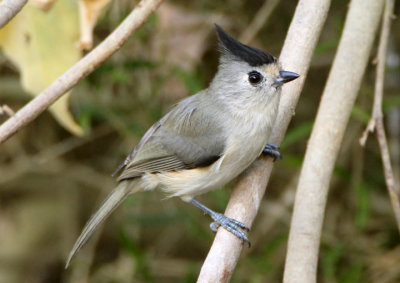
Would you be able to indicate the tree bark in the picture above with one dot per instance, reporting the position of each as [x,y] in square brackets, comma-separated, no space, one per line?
[323,147]
[243,205]
[377,113]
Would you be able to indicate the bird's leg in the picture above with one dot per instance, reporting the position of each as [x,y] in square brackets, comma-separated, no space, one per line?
[272,150]
[232,225]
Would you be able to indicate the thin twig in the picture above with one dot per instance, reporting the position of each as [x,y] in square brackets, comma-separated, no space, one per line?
[9,9]
[377,113]
[258,21]
[81,69]
[369,129]
[337,101]
[5,109]
[391,184]
[245,200]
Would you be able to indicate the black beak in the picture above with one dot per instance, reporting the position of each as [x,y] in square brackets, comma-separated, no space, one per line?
[285,77]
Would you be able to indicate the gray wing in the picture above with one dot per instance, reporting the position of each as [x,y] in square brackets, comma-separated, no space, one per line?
[187,137]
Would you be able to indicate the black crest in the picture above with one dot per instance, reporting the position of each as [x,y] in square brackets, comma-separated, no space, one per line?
[253,56]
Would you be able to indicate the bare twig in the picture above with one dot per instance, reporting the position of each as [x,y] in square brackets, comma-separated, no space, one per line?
[377,114]
[5,109]
[323,147]
[369,129]
[81,69]
[392,186]
[245,200]
[393,132]
[258,21]
[9,9]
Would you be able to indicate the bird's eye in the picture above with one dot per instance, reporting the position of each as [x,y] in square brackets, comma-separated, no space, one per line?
[255,77]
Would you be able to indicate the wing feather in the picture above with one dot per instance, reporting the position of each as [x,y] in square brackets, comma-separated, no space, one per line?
[162,164]
[182,139]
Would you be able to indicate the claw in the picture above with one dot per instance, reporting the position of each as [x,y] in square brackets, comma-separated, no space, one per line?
[230,224]
[214,226]
[272,150]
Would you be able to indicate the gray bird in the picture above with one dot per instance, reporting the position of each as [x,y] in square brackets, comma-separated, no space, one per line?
[207,139]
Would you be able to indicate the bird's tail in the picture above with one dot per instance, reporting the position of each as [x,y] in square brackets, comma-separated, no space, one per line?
[107,207]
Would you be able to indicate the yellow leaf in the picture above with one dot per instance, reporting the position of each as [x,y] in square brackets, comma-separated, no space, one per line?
[42,46]
[45,5]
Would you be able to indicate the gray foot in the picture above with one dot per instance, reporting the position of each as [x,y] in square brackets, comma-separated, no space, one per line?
[232,225]
[272,150]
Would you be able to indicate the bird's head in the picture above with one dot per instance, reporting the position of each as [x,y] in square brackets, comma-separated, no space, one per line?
[247,73]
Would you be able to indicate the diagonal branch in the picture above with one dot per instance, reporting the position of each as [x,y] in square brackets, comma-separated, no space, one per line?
[259,20]
[80,70]
[377,114]
[9,9]
[245,200]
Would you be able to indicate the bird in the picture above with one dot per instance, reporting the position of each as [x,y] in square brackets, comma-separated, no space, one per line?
[207,139]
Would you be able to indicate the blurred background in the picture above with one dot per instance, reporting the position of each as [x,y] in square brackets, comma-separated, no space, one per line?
[51,181]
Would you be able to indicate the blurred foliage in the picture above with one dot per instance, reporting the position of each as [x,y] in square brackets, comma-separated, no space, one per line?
[51,182]
[34,41]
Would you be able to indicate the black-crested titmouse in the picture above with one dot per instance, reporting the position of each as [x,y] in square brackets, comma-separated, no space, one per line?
[208,138]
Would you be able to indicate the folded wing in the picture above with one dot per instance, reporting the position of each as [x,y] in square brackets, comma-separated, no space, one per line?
[183,139]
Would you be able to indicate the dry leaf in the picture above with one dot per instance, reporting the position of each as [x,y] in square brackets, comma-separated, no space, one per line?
[89,12]
[42,46]
[45,5]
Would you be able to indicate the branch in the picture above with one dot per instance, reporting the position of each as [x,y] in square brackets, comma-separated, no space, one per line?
[245,200]
[9,9]
[81,69]
[377,114]
[334,111]
[5,109]
[258,21]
